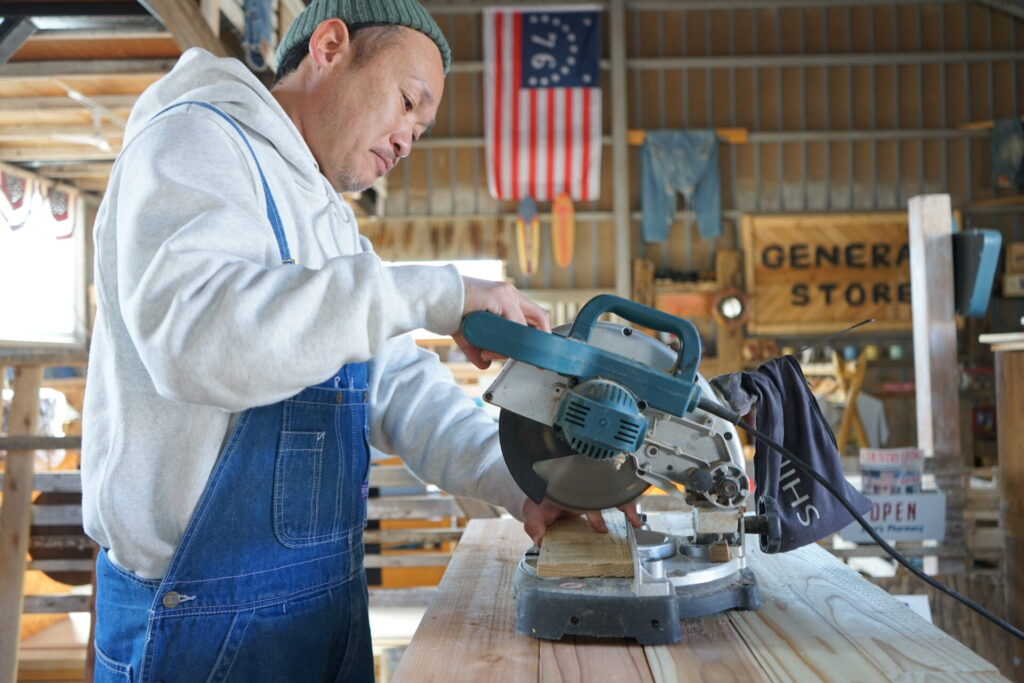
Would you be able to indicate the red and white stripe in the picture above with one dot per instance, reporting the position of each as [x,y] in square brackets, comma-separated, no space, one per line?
[540,141]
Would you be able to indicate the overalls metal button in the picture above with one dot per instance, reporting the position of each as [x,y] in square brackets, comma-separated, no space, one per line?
[171,599]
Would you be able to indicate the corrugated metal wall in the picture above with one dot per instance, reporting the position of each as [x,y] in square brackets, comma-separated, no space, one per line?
[849,107]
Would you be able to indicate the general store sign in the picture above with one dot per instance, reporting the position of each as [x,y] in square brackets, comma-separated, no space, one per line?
[824,272]
[906,517]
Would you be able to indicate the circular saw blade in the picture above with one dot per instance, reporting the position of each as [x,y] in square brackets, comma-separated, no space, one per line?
[544,465]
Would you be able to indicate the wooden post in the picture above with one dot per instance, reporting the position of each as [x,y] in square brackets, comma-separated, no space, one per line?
[16,515]
[728,270]
[620,152]
[1010,422]
[935,364]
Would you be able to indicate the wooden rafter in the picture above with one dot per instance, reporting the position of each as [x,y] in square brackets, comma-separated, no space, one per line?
[93,67]
[55,103]
[184,19]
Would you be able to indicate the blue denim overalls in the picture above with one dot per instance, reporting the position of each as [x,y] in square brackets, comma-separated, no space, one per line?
[267,583]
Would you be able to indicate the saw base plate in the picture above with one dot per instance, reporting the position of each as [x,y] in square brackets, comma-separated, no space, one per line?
[610,607]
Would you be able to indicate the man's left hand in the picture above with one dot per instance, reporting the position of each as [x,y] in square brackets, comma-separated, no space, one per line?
[537,518]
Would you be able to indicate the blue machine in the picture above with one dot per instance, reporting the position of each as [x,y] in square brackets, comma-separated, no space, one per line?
[594,414]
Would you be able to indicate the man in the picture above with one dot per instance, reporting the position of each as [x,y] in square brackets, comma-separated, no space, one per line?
[225,454]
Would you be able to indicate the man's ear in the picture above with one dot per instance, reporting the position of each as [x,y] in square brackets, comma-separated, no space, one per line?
[330,44]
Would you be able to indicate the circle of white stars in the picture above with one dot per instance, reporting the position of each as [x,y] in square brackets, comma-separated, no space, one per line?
[573,49]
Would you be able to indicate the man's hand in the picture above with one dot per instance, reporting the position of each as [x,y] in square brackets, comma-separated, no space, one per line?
[537,518]
[501,299]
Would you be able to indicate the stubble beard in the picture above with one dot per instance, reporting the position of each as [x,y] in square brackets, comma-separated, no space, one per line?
[347,182]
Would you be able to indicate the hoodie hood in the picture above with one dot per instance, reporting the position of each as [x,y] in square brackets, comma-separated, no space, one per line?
[227,84]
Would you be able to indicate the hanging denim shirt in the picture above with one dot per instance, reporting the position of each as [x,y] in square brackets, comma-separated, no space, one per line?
[267,582]
[683,161]
[1008,152]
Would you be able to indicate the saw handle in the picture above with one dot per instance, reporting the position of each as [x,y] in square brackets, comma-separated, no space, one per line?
[689,340]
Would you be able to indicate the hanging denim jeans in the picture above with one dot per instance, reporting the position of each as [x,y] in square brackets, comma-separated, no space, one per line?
[1008,153]
[683,161]
[267,583]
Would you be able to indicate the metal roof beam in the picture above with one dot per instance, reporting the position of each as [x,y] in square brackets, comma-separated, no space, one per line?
[70,9]
[14,31]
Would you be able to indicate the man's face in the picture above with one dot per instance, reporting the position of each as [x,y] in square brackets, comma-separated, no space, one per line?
[367,113]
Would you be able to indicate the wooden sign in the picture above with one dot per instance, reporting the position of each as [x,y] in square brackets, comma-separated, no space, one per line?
[825,272]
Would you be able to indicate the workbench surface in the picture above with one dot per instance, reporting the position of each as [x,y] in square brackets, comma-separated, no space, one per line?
[819,620]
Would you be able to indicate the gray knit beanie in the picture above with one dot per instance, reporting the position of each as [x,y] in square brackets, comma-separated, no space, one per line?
[363,12]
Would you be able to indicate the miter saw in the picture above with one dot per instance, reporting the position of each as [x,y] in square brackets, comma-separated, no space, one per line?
[591,416]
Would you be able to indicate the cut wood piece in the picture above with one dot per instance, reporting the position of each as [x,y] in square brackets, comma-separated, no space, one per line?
[572,549]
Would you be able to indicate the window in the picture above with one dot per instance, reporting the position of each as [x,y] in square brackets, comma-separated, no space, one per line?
[42,264]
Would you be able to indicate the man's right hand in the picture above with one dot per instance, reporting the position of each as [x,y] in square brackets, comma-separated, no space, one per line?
[501,299]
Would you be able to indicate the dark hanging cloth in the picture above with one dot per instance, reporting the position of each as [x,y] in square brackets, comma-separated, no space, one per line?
[786,411]
[1008,152]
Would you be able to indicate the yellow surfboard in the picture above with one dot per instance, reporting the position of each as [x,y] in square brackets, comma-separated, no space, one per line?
[528,236]
[563,230]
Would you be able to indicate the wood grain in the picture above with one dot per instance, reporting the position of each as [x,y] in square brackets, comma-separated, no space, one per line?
[16,514]
[1010,421]
[819,620]
[710,650]
[468,634]
[582,660]
[572,549]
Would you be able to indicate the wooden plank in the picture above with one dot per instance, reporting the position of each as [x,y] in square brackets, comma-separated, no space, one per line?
[55,515]
[411,536]
[819,620]
[85,565]
[411,507]
[474,615]
[186,23]
[930,222]
[958,620]
[27,131]
[55,604]
[1010,423]
[63,103]
[393,477]
[15,516]
[42,443]
[412,559]
[40,356]
[593,659]
[402,597]
[62,152]
[53,482]
[710,649]
[94,67]
[572,549]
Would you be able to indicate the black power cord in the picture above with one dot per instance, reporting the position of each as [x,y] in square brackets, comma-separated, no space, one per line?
[726,414]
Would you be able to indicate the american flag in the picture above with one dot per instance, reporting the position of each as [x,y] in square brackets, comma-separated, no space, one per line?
[543,101]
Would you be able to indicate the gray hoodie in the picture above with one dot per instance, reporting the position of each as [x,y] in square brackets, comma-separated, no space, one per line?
[197,319]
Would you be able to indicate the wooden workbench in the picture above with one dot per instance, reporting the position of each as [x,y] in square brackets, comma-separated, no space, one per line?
[818,620]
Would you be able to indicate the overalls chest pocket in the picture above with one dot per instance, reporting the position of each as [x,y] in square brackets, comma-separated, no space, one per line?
[320,475]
